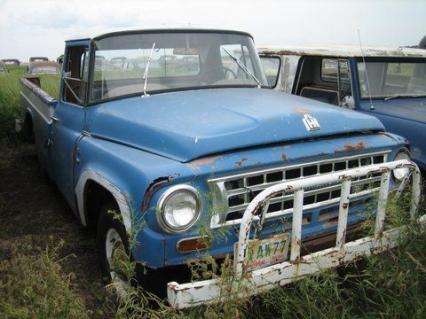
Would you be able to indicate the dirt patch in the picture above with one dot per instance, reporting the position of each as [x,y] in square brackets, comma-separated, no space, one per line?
[34,214]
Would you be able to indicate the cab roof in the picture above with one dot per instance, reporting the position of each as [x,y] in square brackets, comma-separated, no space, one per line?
[343,51]
[99,36]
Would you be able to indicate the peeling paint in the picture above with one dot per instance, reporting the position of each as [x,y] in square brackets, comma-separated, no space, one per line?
[241,162]
[198,163]
[353,147]
[342,51]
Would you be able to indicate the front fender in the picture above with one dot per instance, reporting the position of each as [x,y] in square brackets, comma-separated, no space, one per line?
[128,174]
[120,197]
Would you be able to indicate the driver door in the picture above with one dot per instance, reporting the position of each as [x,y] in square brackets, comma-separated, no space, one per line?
[69,119]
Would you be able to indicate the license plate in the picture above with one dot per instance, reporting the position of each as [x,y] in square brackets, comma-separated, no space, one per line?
[265,252]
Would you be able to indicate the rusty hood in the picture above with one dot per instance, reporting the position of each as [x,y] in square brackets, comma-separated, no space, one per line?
[186,125]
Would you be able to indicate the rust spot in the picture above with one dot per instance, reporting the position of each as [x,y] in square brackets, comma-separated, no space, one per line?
[301,110]
[283,157]
[240,162]
[204,161]
[353,147]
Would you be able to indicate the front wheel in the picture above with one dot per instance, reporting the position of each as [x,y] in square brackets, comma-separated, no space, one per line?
[117,264]
[113,246]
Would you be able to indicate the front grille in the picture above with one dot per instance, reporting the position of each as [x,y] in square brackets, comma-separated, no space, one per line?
[233,194]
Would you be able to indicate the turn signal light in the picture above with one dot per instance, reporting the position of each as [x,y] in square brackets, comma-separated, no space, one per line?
[192,244]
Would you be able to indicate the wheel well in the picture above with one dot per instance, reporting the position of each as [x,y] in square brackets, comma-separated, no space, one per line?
[95,195]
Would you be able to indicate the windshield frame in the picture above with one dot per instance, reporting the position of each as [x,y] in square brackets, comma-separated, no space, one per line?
[382,59]
[93,52]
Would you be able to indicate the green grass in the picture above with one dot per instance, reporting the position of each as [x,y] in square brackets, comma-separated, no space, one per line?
[10,98]
[33,285]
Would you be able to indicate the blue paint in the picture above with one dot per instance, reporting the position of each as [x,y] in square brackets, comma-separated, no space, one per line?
[133,141]
[405,117]
[191,124]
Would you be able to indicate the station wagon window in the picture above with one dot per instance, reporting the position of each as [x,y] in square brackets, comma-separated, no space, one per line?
[329,69]
[327,80]
[387,79]
[271,67]
[177,60]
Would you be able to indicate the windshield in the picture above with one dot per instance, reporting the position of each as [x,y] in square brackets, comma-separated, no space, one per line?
[392,79]
[45,70]
[179,60]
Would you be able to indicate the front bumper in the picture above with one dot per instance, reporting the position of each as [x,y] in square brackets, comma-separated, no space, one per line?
[246,283]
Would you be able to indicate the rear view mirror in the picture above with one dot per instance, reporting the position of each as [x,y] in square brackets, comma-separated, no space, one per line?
[185,51]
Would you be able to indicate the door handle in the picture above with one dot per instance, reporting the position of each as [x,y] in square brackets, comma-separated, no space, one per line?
[54,119]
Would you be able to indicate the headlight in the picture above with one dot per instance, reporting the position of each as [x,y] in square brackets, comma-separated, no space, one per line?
[400,173]
[178,208]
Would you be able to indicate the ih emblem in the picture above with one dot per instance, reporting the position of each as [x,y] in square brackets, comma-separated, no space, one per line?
[311,123]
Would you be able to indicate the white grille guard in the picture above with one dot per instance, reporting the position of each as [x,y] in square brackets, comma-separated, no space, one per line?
[252,282]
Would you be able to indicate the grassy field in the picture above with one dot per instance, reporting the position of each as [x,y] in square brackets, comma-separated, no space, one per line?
[49,269]
[9,95]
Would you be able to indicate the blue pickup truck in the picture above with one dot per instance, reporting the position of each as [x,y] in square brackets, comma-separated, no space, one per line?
[180,137]
[387,83]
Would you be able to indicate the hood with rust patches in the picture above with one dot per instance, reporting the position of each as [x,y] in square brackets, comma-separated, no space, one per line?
[187,125]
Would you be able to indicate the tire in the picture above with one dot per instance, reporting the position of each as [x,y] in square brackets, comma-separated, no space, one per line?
[110,224]
[111,235]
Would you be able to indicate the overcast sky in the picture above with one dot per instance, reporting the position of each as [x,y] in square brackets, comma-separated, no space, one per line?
[30,28]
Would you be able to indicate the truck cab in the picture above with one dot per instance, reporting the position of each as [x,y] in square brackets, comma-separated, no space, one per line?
[387,83]
[177,144]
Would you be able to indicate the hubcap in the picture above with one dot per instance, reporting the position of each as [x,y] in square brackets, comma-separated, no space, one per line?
[116,258]
[113,242]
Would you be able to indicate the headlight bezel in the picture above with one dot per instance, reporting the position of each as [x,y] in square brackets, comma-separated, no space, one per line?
[162,201]
[406,155]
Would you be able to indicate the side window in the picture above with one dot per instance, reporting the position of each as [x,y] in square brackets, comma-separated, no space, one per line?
[75,75]
[330,68]
[337,71]
[344,85]
[271,67]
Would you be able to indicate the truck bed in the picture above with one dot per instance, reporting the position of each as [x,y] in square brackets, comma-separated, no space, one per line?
[35,98]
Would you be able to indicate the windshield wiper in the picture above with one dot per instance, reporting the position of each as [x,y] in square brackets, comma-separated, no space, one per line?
[244,68]
[401,96]
[145,74]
